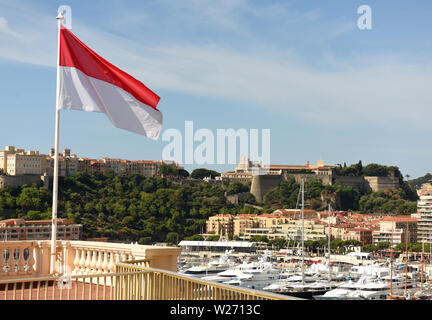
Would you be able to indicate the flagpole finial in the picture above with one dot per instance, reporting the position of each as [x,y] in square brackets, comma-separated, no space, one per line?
[60,16]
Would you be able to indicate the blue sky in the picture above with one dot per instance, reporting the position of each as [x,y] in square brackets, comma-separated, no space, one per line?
[325,88]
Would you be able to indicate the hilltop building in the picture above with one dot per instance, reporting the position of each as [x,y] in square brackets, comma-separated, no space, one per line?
[18,167]
[275,174]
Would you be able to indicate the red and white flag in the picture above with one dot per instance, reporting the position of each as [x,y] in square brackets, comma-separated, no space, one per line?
[90,83]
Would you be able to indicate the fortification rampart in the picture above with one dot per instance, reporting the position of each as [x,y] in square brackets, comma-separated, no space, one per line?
[16,181]
[261,184]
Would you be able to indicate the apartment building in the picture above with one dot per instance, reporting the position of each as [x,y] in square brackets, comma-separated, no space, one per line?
[395,227]
[15,161]
[338,230]
[243,222]
[313,229]
[287,223]
[296,213]
[220,224]
[148,168]
[395,236]
[267,220]
[424,207]
[362,235]
[273,227]
[270,233]
[19,229]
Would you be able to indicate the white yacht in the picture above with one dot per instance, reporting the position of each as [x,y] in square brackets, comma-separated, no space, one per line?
[367,287]
[372,270]
[254,275]
[282,285]
[228,275]
[215,266]
[258,270]
[345,290]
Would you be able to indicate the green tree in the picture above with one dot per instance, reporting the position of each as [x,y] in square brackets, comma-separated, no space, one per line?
[278,243]
[369,248]
[172,237]
[385,245]
[202,173]
[374,169]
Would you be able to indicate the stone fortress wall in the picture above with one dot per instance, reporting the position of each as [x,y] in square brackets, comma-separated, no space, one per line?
[261,184]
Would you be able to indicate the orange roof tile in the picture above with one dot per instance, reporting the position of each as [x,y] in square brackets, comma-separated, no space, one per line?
[400,218]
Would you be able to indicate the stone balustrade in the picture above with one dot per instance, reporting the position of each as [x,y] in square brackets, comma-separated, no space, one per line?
[17,259]
[94,257]
[25,259]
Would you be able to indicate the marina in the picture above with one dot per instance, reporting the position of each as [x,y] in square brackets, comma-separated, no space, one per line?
[269,271]
[354,276]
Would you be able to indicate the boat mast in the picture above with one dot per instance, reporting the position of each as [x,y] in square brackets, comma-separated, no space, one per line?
[329,236]
[391,262]
[421,281]
[302,217]
[406,260]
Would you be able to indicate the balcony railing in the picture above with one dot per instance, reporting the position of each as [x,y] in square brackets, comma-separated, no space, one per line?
[131,281]
[87,270]
[157,284]
[28,259]
[17,259]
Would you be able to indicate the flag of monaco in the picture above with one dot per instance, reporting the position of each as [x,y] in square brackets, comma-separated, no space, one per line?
[87,82]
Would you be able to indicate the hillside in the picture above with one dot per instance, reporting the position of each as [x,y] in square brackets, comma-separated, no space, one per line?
[417,183]
[148,210]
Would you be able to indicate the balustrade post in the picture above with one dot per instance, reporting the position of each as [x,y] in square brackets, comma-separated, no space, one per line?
[31,261]
[87,262]
[2,262]
[8,253]
[99,262]
[76,261]
[15,261]
[21,261]
[82,261]
[112,261]
[105,262]
[93,261]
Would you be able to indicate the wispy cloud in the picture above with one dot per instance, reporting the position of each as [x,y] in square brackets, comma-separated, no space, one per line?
[6,30]
[383,92]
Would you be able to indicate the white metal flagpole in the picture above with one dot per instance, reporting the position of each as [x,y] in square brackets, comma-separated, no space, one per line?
[56,156]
